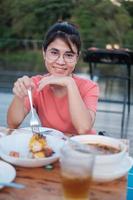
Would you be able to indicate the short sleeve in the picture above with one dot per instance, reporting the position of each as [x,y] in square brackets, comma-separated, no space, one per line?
[91,97]
[90,93]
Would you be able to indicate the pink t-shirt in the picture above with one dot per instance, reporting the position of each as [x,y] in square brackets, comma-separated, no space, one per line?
[53,111]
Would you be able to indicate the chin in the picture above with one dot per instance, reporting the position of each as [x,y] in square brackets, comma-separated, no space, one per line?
[59,74]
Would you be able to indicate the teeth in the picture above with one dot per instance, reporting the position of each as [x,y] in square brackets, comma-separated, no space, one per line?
[61,68]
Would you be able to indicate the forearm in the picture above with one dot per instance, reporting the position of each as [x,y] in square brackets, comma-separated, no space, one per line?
[16,112]
[82,118]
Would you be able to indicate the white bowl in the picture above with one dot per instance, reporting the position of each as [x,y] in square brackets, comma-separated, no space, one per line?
[111,166]
[97,139]
[19,142]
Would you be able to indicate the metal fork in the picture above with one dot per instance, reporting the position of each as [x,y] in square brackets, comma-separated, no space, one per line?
[34,122]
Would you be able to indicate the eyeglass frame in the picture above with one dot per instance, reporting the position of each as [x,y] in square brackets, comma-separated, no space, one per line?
[56,50]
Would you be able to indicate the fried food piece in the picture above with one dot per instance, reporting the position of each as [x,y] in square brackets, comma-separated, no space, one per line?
[14,154]
[37,143]
[40,154]
[38,147]
[48,151]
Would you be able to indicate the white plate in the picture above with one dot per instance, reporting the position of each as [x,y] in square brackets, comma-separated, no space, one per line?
[2,131]
[19,142]
[105,174]
[7,172]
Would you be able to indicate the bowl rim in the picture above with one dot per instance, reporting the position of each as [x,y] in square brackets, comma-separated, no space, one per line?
[84,139]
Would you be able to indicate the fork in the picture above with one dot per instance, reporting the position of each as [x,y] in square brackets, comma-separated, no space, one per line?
[13,184]
[34,122]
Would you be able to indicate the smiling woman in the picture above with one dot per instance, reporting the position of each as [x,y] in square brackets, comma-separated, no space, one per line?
[63,100]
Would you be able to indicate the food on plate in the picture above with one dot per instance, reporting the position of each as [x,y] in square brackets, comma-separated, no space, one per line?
[103,148]
[14,154]
[38,146]
[39,154]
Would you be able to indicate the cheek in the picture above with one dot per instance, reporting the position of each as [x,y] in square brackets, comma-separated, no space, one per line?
[48,64]
[71,67]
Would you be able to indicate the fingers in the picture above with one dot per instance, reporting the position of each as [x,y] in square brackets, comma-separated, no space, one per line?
[47,81]
[21,86]
[52,80]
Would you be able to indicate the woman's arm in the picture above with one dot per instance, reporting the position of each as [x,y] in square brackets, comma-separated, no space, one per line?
[17,111]
[82,118]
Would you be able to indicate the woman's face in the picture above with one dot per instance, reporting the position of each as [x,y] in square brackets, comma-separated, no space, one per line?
[59,58]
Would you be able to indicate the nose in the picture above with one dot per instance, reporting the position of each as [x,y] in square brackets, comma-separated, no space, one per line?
[60,60]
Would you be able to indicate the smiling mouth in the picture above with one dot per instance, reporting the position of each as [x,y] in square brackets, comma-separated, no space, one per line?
[58,68]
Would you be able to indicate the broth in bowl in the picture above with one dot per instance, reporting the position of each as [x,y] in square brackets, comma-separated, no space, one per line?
[107,150]
[110,156]
[103,149]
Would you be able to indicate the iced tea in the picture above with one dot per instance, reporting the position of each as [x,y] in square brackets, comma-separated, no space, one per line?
[76,187]
[76,172]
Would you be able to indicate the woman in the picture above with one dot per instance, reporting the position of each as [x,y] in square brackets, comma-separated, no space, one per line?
[62,100]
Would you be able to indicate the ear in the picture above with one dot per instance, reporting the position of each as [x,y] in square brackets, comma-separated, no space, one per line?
[78,56]
[43,54]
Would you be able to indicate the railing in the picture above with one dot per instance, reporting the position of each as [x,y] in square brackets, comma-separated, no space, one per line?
[7,79]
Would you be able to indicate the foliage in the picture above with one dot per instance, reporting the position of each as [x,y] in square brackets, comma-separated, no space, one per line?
[22,61]
[102,22]
[99,22]
[30,18]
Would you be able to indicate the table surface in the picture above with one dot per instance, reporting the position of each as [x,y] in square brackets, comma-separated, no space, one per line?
[42,183]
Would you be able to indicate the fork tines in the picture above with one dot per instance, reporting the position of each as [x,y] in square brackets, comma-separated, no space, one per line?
[35,129]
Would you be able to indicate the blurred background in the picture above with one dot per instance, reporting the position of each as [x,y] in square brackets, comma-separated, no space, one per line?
[23,25]
[102,24]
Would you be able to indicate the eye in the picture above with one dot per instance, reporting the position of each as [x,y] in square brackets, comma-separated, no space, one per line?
[69,55]
[54,53]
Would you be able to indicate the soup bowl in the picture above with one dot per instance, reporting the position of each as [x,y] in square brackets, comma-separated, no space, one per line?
[108,165]
[107,150]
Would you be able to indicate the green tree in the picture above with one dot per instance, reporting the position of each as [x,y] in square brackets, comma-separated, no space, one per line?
[128,39]
[5,18]
[48,12]
[102,22]
[31,18]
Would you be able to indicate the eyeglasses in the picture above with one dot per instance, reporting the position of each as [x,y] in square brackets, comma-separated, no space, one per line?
[54,55]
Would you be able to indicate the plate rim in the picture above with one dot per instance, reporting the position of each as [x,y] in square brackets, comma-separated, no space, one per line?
[121,171]
[13,171]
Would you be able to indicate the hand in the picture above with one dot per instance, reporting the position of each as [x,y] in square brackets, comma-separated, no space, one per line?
[54,80]
[21,86]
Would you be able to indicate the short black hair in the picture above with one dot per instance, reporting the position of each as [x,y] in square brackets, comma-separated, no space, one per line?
[66,31]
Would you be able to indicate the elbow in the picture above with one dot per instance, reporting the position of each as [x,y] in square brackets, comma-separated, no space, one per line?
[12,125]
[84,129]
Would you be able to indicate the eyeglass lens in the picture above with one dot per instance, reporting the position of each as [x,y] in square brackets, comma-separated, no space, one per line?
[67,56]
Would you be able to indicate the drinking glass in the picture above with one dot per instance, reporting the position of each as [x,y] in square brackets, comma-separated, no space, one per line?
[76,172]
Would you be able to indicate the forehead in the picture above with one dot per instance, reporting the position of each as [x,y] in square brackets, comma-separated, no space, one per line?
[61,45]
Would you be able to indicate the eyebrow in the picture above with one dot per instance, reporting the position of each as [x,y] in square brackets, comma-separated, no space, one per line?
[64,52]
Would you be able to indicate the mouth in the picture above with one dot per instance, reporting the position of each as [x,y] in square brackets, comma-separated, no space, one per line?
[59,68]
